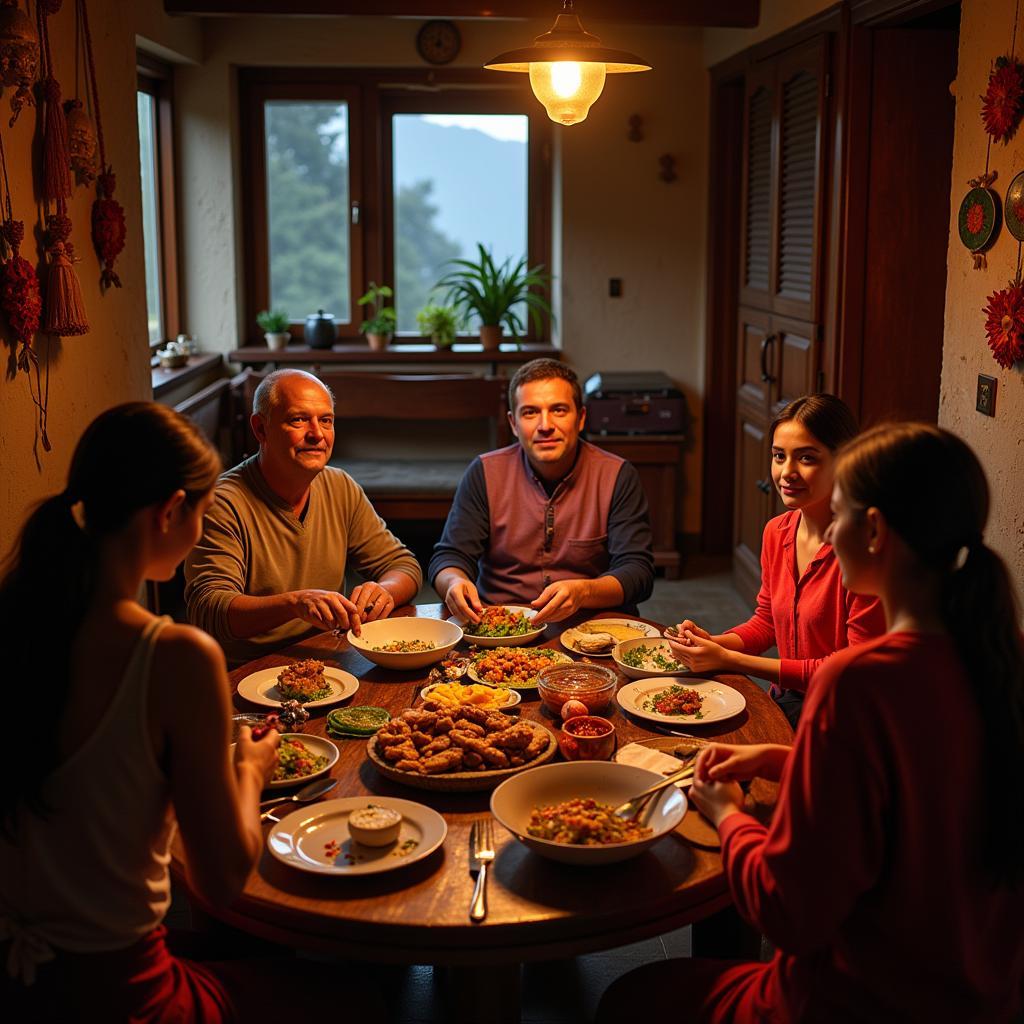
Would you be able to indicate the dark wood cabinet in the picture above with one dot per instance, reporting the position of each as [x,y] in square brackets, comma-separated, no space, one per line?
[657,458]
[781,258]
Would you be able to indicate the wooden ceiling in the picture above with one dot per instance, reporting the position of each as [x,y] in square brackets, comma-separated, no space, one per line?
[732,13]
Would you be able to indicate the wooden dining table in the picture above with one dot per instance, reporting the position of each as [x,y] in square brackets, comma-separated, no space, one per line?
[538,910]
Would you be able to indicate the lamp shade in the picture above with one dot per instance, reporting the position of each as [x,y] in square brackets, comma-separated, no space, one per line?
[567,67]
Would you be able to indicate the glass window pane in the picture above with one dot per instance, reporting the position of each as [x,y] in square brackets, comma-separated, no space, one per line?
[459,179]
[307,207]
[150,214]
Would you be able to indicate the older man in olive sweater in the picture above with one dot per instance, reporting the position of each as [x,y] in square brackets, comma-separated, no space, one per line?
[270,565]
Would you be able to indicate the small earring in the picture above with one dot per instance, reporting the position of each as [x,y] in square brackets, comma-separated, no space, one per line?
[163,528]
[871,549]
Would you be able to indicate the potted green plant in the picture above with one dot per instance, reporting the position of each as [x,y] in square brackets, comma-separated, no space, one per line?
[492,291]
[439,323]
[274,324]
[379,325]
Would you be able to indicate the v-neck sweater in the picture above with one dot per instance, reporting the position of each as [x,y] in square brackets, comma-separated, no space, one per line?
[808,616]
[253,543]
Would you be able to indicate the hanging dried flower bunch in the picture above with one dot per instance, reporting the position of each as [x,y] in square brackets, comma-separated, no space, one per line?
[19,54]
[1003,102]
[1004,324]
[108,226]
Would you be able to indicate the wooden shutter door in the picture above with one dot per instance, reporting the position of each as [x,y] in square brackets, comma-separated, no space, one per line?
[757,210]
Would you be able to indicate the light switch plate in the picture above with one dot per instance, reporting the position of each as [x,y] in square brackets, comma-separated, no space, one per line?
[986,401]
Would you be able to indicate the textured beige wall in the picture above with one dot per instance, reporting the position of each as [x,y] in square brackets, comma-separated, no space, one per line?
[111,363]
[616,218]
[985,32]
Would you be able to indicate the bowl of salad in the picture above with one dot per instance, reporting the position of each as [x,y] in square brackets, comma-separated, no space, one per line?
[502,625]
[647,658]
[301,757]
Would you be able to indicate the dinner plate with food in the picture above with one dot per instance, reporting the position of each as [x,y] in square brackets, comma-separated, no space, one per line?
[690,701]
[357,835]
[453,696]
[597,637]
[301,758]
[512,666]
[504,625]
[312,683]
[459,750]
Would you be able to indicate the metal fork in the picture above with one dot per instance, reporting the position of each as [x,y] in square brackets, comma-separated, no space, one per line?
[481,854]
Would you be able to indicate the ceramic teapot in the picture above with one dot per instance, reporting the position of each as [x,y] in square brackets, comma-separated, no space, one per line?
[321,331]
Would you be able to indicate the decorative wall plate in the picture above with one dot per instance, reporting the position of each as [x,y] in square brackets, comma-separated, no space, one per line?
[978,219]
[1013,211]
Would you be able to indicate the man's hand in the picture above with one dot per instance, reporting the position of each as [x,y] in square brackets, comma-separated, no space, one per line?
[559,600]
[462,599]
[372,601]
[325,608]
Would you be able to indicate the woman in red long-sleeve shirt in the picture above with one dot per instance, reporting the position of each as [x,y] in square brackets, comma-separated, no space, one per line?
[803,607]
[891,880]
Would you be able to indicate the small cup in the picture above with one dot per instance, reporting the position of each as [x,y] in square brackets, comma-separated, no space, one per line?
[587,738]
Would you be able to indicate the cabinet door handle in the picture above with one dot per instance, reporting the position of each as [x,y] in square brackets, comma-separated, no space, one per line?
[355,211]
[766,343]
[764,485]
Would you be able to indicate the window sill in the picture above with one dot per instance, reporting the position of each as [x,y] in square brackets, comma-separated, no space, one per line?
[303,355]
[164,380]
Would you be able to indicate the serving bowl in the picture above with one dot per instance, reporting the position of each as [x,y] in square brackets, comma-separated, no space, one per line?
[587,738]
[656,645]
[594,685]
[608,782]
[443,634]
[516,640]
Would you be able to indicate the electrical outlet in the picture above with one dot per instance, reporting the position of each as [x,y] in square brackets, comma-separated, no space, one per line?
[986,401]
[615,287]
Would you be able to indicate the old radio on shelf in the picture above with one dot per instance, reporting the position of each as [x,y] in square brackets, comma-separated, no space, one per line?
[634,402]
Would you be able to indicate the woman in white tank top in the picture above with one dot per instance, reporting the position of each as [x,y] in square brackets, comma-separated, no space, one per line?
[138,741]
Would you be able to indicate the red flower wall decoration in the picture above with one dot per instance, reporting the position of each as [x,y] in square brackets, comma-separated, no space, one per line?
[1003,102]
[1004,324]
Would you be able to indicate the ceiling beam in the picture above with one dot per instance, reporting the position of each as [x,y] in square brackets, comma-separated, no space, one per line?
[731,13]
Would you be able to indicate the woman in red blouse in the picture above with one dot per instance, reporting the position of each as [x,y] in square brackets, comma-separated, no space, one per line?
[803,608]
[891,880]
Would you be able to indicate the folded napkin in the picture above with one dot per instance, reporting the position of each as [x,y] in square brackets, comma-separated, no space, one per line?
[653,760]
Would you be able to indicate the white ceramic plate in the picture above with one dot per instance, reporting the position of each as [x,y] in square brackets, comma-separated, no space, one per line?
[318,747]
[558,659]
[720,701]
[502,641]
[514,697]
[301,840]
[261,687]
[568,638]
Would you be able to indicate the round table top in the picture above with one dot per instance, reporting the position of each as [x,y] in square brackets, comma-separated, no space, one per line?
[537,909]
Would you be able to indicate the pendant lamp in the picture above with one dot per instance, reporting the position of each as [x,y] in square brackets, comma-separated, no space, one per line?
[567,67]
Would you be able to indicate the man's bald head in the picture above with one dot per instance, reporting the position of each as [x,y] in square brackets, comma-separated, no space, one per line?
[268,392]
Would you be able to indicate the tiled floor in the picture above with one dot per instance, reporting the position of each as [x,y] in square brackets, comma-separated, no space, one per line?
[566,991]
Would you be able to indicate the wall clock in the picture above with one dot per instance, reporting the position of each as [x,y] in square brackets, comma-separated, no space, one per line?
[438,42]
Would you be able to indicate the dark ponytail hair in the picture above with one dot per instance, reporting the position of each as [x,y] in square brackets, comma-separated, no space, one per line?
[129,458]
[827,418]
[932,491]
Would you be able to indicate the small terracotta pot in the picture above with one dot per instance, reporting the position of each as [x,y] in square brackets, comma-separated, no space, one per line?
[378,342]
[597,747]
[490,337]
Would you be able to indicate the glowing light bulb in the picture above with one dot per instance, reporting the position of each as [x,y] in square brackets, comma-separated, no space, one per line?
[566,78]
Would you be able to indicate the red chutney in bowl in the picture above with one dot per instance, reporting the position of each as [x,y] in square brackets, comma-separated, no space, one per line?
[587,738]
[594,685]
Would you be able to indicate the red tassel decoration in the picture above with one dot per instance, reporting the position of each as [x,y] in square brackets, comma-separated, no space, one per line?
[19,291]
[65,310]
[108,228]
[56,161]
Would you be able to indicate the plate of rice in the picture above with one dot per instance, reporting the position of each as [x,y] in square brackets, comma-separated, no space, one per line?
[310,682]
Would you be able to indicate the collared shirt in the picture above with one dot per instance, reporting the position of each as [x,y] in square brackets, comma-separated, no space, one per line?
[808,616]
[506,531]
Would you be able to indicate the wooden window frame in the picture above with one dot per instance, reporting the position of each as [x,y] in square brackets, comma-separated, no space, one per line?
[155,78]
[374,97]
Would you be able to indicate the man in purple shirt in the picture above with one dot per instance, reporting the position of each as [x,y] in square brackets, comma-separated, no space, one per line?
[552,522]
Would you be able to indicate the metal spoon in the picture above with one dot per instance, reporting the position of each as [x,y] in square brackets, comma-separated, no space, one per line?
[309,792]
[631,808]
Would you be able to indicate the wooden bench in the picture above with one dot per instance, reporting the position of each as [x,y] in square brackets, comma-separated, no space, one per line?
[416,484]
